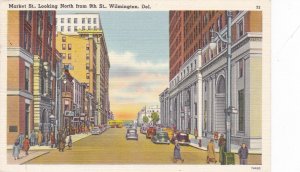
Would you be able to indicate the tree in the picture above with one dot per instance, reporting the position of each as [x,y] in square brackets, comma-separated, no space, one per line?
[154,117]
[145,119]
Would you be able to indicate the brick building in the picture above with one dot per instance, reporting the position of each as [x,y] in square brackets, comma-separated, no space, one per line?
[31,65]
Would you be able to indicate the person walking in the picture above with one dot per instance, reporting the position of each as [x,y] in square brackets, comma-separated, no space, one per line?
[70,142]
[32,138]
[16,150]
[211,157]
[196,133]
[177,154]
[52,140]
[61,142]
[21,139]
[40,138]
[243,154]
[26,145]
[222,146]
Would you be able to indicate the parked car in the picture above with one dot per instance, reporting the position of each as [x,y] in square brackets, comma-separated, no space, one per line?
[170,132]
[96,131]
[151,131]
[131,134]
[143,129]
[183,138]
[161,138]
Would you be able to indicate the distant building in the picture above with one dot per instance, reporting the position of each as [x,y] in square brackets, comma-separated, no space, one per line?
[147,111]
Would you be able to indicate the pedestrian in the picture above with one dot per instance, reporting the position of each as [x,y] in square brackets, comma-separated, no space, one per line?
[32,138]
[26,145]
[16,150]
[211,157]
[40,138]
[243,154]
[21,139]
[61,142]
[222,146]
[70,143]
[177,154]
[52,140]
[196,133]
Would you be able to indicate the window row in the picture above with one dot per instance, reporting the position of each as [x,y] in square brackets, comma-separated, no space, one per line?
[76,20]
[75,28]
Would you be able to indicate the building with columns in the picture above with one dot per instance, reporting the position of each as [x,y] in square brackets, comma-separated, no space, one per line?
[196,95]
[31,69]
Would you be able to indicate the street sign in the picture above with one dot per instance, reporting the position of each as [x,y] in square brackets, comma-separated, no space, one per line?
[69,113]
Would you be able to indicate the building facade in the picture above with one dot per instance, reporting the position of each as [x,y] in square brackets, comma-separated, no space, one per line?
[197,91]
[147,111]
[31,69]
[89,25]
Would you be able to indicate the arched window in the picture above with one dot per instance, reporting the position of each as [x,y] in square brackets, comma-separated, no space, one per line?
[221,85]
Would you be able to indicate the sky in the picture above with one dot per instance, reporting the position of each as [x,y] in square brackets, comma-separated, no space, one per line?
[138,48]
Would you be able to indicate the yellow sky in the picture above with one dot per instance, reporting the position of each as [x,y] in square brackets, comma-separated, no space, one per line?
[126,111]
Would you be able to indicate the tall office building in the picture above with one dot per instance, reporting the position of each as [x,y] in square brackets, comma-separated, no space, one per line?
[88,25]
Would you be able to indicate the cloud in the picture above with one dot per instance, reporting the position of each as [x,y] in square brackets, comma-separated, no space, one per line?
[136,82]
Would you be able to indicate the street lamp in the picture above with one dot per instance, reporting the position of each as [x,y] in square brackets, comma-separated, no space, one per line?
[229,109]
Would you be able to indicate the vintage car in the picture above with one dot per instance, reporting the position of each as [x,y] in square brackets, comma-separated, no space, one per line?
[131,134]
[143,129]
[96,131]
[182,137]
[161,138]
[151,131]
[170,132]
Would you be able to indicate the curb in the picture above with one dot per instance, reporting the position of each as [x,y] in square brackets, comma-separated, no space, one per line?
[34,158]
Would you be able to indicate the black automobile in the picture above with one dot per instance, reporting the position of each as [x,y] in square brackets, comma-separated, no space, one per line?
[161,138]
[131,134]
[182,137]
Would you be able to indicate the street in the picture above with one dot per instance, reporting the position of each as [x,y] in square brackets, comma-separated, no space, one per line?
[111,147]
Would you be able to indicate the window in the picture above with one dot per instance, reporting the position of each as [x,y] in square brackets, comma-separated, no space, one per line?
[27,109]
[62,28]
[240,26]
[95,27]
[27,41]
[50,38]
[69,56]
[89,20]
[83,27]
[83,20]
[28,16]
[63,46]
[89,27]
[69,28]
[75,28]
[87,66]
[63,55]
[27,76]
[69,46]
[94,20]
[62,20]
[221,85]
[75,20]
[219,24]
[40,24]
[241,68]
[87,46]
[241,110]
[63,39]
[87,76]
[69,20]
[223,43]
[87,57]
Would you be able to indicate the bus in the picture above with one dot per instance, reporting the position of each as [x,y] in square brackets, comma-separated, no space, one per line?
[115,123]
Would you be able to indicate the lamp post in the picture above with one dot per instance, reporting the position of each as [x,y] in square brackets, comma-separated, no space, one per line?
[229,109]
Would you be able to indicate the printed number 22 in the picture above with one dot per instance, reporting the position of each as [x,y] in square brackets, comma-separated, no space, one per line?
[257,6]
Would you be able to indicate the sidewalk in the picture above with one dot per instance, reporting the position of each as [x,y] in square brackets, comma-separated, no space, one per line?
[36,151]
[234,148]
[75,138]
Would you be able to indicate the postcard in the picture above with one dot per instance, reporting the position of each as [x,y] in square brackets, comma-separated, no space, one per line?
[135,85]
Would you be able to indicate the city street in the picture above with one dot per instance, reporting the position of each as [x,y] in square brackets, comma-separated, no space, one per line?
[111,147]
